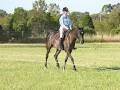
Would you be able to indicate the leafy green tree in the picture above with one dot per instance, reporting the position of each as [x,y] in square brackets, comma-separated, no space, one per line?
[37,18]
[40,21]
[109,20]
[106,9]
[116,6]
[114,19]
[19,23]
[37,23]
[54,9]
[116,31]
[75,19]
[1,33]
[40,5]
[53,17]
[54,23]
[5,24]
[87,21]
[3,13]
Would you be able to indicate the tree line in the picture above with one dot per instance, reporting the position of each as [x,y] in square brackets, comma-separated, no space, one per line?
[42,18]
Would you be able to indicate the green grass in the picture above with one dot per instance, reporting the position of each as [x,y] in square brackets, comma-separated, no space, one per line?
[22,68]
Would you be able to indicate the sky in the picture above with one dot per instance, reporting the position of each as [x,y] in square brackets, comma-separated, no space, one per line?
[92,6]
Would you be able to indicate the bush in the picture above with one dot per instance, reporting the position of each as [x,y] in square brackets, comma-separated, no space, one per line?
[3,34]
[116,31]
[89,31]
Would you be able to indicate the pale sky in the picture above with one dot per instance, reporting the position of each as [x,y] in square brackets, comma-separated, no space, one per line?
[92,6]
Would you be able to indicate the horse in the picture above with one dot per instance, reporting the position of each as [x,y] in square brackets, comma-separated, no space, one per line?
[52,41]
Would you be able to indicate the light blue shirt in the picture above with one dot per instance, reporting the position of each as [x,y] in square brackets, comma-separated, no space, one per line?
[65,21]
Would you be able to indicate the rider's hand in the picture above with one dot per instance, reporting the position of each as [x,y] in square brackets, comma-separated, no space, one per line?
[70,28]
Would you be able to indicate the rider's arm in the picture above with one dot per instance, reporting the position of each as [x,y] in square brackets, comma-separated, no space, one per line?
[70,24]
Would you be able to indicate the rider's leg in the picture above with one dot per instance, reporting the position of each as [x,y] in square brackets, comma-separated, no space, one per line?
[61,32]
[74,46]
[61,38]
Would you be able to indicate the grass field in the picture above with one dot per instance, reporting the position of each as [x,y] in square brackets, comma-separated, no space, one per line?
[22,68]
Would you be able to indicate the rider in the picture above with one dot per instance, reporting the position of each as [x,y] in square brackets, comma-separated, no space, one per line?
[65,24]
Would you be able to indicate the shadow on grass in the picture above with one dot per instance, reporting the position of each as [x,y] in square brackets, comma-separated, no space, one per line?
[107,68]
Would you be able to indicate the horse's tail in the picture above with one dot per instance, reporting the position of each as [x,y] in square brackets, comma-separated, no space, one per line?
[47,38]
[47,35]
[48,41]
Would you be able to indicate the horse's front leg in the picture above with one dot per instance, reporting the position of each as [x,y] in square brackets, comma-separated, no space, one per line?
[66,58]
[56,57]
[74,67]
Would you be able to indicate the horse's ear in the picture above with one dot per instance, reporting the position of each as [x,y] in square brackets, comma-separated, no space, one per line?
[80,28]
[74,28]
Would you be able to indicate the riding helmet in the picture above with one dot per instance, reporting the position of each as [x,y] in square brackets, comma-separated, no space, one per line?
[65,9]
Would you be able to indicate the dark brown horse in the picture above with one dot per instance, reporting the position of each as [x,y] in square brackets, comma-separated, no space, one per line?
[69,43]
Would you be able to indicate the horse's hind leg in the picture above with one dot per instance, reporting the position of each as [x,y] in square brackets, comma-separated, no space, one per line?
[56,57]
[47,54]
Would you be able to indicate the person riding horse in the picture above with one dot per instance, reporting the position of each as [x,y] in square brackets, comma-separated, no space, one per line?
[62,41]
[65,24]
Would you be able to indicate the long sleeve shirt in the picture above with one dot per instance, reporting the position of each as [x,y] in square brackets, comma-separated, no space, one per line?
[65,21]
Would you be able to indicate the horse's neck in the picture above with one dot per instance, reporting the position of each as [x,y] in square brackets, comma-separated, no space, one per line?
[73,35]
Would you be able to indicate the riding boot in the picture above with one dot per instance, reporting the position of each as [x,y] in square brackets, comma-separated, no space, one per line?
[61,44]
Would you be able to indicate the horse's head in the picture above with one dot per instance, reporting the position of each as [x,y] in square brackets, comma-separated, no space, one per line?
[81,35]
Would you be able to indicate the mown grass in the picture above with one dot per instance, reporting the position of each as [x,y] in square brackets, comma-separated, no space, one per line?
[22,68]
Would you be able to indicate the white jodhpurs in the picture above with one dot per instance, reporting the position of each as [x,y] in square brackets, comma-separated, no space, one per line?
[62,31]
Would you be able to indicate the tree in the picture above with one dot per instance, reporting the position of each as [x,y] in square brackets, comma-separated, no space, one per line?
[5,23]
[54,9]
[109,20]
[75,19]
[116,6]
[3,13]
[114,19]
[1,33]
[116,31]
[19,23]
[87,21]
[106,9]
[40,5]
[37,22]
[40,21]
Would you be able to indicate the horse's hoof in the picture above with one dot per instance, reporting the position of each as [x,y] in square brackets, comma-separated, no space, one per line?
[63,68]
[58,65]
[74,68]
[45,65]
